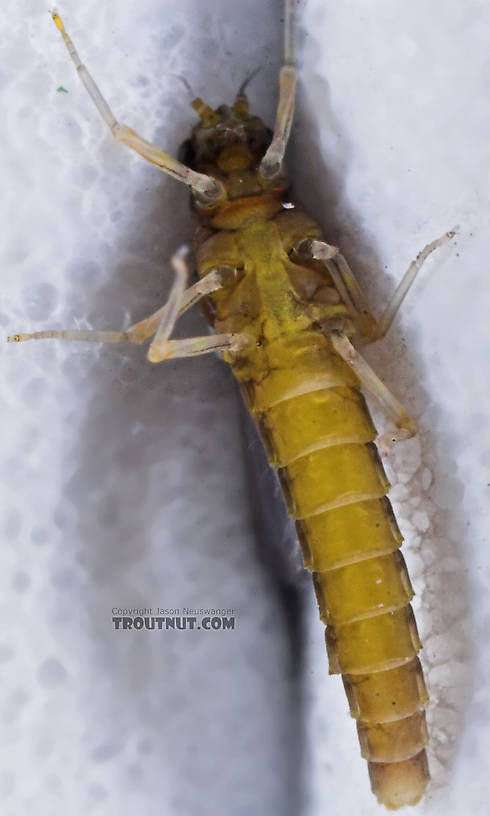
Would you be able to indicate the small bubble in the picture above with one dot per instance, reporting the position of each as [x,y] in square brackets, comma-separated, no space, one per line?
[40,300]
[145,746]
[105,752]
[134,772]
[98,792]
[7,783]
[12,524]
[33,392]
[6,653]
[21,581]
[51,673]
[39,536]
[84,272]
[426,479]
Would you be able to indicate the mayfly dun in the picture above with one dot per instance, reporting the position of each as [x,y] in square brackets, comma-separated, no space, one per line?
[285,308]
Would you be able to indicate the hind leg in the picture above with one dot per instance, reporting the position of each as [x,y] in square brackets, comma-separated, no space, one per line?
[406,427]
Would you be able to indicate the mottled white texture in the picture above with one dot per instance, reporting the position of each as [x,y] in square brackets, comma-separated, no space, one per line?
[394,127]
[123,484]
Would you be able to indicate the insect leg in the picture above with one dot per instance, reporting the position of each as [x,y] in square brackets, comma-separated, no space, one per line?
[192,346]
[343,280]
[179,301]
[352,294]
[271,164]
[401,291]
[215,279]
[208,189]
[406,426]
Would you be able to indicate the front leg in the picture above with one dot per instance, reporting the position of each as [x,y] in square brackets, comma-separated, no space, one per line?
[271,166]
[209,190]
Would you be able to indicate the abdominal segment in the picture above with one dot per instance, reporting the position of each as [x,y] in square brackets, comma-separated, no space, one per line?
[318,433]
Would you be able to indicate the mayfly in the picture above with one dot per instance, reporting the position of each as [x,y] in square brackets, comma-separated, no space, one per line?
[285,307]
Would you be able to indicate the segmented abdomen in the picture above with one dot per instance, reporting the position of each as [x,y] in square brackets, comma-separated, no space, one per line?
[319,434]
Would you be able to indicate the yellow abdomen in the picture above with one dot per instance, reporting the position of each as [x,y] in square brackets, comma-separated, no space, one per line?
[320,437]
[335,487]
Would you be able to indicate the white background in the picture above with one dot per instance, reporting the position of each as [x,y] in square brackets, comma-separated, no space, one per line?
[124,484]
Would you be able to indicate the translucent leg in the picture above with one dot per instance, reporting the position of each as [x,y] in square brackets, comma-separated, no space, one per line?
[193,346]
[162,321]
[406,425]
[352,294]
[401,291]
[85,335]
[146,328]
[271,164]
[343,280]
[164,349]
[209,189]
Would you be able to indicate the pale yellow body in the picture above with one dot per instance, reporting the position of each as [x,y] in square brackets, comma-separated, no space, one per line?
[319,435]
[284,304]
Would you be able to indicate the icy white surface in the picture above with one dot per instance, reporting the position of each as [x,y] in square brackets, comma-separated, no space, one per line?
[122,484]
[394,124]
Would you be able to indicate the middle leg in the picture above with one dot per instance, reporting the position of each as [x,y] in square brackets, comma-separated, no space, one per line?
[350,291]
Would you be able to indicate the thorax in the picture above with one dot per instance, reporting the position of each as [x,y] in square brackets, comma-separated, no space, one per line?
[273,294]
